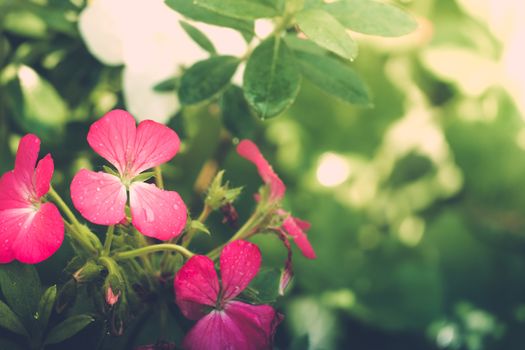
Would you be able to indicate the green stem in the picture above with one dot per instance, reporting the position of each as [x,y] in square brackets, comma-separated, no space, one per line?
[109,239]
[206,211]
[159,181]
[249,226]
[152,249]
[77,230]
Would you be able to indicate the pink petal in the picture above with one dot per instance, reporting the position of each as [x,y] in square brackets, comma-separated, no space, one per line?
[99,197]
[26,157]
[157,213]
[292,227]
[13,194]
[196,286]
[249,150]
[303,224]
[155,144]
[240,262]
[239,326]
[287,272]
[113,137]
[34,235]
[43,175]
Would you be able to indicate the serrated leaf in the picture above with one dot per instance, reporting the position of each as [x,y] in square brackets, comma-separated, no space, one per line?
[242,9]
[68,328]
[47,302]
[206,78]
[372,17]
[271,79]
[21,288]
[199,37]
[323,29]
[188,9]
[168,85]
[334,77]
[236,114]
[10,321]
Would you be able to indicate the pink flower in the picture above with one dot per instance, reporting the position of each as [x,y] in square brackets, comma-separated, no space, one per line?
[101,197]
[111,298]
[223,322]
[31,230]
[293,226]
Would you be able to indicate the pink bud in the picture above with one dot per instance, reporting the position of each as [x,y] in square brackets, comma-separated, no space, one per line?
[111,298]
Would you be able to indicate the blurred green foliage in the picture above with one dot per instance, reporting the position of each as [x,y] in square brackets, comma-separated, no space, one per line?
[420,241]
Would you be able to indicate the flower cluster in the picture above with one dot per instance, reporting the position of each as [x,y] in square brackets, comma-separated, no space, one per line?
[138,214]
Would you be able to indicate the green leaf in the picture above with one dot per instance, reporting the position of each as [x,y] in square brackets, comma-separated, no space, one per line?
[236,114]
[188,9]
[372,17]
[327,32]
[168,85]
[21,288]
[243,9]
[334,77]
[68,328]
[199,37]
[271,79]
[206,78]
[35,104]
[10,321]
[47,302]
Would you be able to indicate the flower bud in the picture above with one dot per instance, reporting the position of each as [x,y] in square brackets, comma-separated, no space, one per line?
[220,194]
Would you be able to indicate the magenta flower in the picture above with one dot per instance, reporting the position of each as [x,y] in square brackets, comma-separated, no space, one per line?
[101,197]
[293,226]
[223,322]
[31,230]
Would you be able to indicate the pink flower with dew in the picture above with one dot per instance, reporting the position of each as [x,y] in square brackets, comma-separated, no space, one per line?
[224,323]
[293,226]
[101,197]
[31,230]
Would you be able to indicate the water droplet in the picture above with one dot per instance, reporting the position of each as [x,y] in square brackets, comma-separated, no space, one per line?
[98,189]
[36,315]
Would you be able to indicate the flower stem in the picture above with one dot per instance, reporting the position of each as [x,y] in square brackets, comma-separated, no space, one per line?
[109,239]
[78,232]
[152,249]
[206,211]
[159,181]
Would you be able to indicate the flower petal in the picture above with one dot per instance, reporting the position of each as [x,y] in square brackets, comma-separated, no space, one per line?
[99,197]
[11,220]
[157,213]
[196,286]
[249,150]
[13,194]
[26,157]
[240,262]
[43,175]
[155,144]
[113,137]
[239,327]
[40,236]
[293,227]
[257,322]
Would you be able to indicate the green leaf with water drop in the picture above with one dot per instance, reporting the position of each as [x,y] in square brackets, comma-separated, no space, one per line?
[372,17]
[323,29]
[9,320]
[45,308]
[272,79]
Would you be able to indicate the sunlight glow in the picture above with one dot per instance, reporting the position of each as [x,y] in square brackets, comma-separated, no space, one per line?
[333,170]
